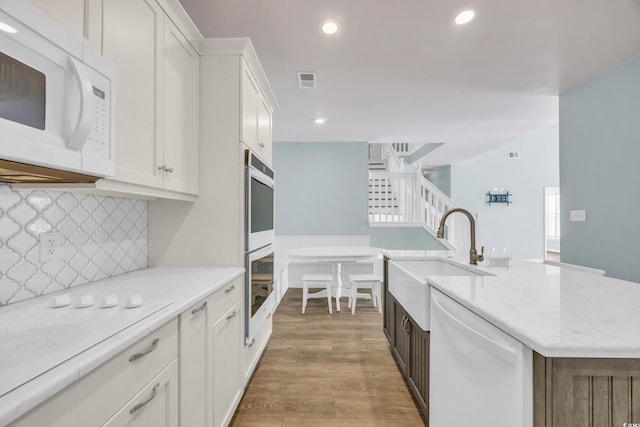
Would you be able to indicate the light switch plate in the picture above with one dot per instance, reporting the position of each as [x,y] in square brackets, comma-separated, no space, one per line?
[579,215]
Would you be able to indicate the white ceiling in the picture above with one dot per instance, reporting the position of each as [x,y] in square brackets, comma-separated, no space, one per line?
[402,71]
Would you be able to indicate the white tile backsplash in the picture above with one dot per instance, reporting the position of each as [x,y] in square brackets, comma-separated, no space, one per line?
[103,237]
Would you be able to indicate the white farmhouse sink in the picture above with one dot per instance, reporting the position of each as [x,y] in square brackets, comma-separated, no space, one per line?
[408,283]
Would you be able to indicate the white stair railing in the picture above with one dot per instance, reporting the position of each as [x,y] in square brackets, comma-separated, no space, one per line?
[401,199]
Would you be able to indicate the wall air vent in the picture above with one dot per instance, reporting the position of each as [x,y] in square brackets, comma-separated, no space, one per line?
[307,80]
[514,155]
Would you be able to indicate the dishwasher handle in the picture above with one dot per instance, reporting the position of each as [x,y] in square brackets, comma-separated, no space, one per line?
[505,353]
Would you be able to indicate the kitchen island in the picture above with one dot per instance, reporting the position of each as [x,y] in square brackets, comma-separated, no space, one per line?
[581,329]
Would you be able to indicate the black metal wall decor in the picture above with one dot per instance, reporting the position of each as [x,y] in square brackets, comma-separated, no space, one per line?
[498,197]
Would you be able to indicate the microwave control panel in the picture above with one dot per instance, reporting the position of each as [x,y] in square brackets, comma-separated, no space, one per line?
[99,142]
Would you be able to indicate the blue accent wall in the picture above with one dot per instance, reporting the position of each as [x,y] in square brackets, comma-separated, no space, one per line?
[441,178]
[322,190]
[600,172]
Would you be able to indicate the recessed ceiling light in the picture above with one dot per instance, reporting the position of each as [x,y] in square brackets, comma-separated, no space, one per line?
[329,27]
[465,17]
[320,120]
[7,28]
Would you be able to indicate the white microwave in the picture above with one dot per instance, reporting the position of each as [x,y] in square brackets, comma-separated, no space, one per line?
[57,103]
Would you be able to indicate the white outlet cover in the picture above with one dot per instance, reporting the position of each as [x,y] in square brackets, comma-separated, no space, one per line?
[578,215]
[51,246]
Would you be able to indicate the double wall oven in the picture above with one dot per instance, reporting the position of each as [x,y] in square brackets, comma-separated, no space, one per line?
[259,247]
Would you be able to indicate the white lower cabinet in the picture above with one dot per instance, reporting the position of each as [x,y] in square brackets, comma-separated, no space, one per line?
[155,406]
[211,339]
[111,391]
[254,349]
[193,366]
[226,334]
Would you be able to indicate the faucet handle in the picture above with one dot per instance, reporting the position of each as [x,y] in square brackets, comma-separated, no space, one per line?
[481,256]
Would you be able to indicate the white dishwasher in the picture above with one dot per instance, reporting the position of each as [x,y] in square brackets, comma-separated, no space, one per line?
[480,376]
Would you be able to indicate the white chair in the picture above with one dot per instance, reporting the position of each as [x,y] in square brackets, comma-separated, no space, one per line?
[316,281]
[365,281]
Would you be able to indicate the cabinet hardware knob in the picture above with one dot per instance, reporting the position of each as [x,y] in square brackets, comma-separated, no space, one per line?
[232,315]
[147,400]
[163,168]
[153,346]
[229,289]
[253,341]
[170,169]
[261,145]
[199,309]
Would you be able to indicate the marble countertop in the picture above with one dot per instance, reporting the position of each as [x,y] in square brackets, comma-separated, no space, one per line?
[167,292]
[558,312]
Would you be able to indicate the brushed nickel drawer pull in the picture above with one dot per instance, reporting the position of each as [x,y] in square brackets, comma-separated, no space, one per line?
[229,289]
[144,402]
[153,346]
[199,309]
[232,315]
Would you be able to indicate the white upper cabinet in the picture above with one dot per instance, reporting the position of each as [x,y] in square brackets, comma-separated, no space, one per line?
[264,127]
[249,108]
[181,81]
[131,29]
[157,98]
[255,113]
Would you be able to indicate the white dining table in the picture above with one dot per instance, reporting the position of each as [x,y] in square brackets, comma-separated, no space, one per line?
[336,256]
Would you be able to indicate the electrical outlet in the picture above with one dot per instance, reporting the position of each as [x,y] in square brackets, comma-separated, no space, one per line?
[51,246]
[578,215]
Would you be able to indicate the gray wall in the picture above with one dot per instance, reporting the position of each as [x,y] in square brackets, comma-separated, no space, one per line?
[599,172]
[518,227]
[321,189]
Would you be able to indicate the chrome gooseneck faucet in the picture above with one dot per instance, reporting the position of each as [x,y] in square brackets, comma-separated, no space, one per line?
[473,254]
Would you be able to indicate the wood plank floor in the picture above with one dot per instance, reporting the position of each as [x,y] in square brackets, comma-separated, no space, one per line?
[326,370]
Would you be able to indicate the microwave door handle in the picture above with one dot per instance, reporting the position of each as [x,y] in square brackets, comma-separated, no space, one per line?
[84,124]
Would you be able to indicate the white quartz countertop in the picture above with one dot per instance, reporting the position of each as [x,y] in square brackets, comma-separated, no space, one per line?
[558,312]
[166,293]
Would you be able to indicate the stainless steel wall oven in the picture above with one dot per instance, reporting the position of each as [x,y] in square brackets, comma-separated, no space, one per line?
[259,243]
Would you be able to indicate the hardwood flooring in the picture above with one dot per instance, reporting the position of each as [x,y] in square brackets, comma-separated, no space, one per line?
[326,370]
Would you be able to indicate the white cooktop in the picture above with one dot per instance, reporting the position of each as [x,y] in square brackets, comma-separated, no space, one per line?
[35,337]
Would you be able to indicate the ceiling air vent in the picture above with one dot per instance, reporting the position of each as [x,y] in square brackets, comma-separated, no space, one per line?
[307,80]
[514,155]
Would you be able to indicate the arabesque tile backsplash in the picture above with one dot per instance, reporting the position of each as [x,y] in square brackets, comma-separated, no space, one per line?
[103,237]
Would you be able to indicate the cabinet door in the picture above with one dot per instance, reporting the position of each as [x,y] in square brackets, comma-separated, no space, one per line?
[180,116]
[401,341]
[193,366]
[264,130]
[418,365]
[131,31]
[227,335]
[81,18]
[249,108]
[155,406]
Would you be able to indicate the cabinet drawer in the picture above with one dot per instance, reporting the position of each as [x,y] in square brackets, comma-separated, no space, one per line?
[224,298]
[155,405]
[96,397]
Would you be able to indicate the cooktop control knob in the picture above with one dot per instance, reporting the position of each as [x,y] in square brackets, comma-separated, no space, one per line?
[134,301]
[61,301]
[109,301]
[85,301]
